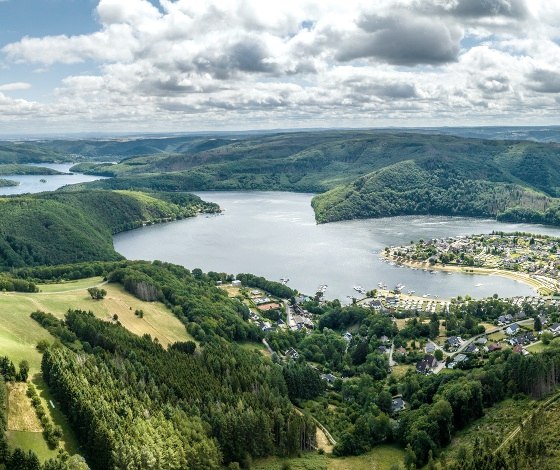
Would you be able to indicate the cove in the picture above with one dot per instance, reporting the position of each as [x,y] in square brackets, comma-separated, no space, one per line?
[274,234]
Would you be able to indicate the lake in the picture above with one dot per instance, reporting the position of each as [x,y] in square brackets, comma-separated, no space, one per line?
[274,234]
[33,184]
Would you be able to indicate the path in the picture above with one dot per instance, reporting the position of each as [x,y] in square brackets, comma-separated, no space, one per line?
[324,439]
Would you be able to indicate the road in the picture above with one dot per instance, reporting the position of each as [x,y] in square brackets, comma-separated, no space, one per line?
[489,332]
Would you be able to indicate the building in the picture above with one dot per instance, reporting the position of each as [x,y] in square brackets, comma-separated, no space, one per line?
[426,365]
[512,329]
[398,404]
[236,283]
[292,354]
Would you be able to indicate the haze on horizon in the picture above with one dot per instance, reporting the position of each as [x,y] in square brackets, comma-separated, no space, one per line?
[177,66]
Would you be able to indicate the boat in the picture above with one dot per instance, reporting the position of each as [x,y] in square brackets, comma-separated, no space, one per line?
[43,180]
[410,292]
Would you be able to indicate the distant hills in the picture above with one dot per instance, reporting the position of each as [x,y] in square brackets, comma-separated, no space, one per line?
[362,173]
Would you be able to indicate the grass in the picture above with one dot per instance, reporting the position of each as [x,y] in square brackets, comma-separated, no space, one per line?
[380,458]
[25,429]
[498,336]
[69,441]
[537,347]
[158,321]
[21,414]
[251,346]
[401,370]
[30,441]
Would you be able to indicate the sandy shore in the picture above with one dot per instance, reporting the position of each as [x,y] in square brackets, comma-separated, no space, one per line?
[540,286]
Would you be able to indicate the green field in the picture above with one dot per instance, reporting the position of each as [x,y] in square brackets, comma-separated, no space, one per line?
[380,458]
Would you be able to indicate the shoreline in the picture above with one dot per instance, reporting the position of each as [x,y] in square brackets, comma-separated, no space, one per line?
[525,278]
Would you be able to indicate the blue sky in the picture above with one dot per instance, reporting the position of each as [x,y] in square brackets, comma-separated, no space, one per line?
[180,65]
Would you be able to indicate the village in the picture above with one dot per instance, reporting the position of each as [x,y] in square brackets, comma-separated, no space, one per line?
[527,257]
[517,332]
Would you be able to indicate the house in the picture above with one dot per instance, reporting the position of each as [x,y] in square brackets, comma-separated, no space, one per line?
[426,365]
[347,336]
[430,347]
[460,358]
[236,283]
[375,304]
[494,347]
[398,404]
[504,319]
[526,338]
[471,349]
[291,353]
[555,329]
[454,342]
[384,339]
[512,329]
[329,378]
[266,327]
[382,350]
[457,360]
[482,340]
[518,349]
[401,350]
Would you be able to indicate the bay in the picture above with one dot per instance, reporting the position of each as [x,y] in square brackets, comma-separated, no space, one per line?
[274,234]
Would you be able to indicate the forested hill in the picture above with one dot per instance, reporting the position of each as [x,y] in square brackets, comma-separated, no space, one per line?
[441,188]
[370,173]
[55,228]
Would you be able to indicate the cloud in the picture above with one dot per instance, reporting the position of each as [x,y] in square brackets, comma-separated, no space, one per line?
[15,86]
[545,81]
[247,63]
[403,40]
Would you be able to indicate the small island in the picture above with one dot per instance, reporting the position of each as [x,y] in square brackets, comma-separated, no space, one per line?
[525,257]
[4,183]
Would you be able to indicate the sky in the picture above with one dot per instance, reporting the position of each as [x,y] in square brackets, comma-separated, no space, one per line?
[192,65]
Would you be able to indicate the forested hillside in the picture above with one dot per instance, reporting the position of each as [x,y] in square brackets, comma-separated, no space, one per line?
[435,187]
[368,173]
[172,408]
[54,228]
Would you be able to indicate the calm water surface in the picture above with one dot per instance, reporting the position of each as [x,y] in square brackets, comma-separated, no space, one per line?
[274,234]
[33,184]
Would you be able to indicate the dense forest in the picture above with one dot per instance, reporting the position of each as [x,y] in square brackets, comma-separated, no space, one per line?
[56,228]
[172,409]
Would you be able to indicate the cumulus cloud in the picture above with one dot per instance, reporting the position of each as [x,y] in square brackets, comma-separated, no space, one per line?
[403,40]
[298,62]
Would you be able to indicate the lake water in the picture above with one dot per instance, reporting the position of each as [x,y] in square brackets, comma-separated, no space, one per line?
[274,234]
[33,184]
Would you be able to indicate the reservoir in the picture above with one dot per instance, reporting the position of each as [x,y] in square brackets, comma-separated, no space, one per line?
[33,183]
[274,234]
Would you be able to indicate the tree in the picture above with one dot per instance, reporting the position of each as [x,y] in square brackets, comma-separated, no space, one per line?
[538,324]
[438,353]
[546,337]
[23,371]
[96,293]
[384,401]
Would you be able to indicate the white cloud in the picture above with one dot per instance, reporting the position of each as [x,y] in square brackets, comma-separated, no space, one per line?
[239,63]
[15,86]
